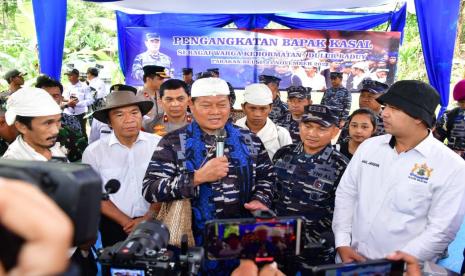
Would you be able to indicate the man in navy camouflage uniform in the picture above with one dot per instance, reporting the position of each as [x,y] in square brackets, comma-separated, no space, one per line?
[150,57]
[7,133]
[451,125]
[184,165]
[308,173]
[338,97]
[298,97]
[370,91]
[279,108]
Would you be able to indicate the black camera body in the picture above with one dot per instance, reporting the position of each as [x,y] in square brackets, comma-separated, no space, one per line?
[128,258]
[145,252]
[76,188]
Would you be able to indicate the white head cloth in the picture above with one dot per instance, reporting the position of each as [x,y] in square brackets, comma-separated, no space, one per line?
[209,87]
[30,102]
[258,94]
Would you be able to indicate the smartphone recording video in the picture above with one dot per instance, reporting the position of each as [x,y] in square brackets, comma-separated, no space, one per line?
[380,267]
[259,240]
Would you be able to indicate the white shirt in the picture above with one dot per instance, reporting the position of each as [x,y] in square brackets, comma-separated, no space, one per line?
[84,95]
[20,150]
[112,160]
[317,82]
[273,137]
[98,130]
[99,86]
[387,201]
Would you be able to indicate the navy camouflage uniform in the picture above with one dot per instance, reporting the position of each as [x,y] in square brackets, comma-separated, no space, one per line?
[3,146]
[451,126]
[168,178]
[292,126]
[338,97]
[279,109]
[306,186]
[287,121]
[147,58]
[70,136]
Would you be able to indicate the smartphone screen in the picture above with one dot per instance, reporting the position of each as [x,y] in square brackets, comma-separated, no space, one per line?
[250,239]
[370,268]
[126,272]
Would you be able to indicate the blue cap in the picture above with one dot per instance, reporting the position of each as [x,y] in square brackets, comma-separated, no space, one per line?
[268,78]
[321,114]
[299,92]
[374,87]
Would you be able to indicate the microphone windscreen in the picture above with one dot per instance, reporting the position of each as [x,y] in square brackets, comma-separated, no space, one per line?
[112,186]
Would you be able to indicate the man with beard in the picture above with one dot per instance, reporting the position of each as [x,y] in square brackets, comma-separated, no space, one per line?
[70,135]
[37,117]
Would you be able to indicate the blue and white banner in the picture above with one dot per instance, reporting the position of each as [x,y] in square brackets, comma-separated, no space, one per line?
[298,57]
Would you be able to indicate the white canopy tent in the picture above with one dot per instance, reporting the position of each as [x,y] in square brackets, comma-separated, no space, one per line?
[242,6]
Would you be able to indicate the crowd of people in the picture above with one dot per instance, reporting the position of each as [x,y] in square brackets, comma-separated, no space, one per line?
[388,184]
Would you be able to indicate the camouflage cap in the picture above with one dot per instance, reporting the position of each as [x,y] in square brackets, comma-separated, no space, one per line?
[335,75]
[321,114]
[374,87]
[299,92]
[267,79]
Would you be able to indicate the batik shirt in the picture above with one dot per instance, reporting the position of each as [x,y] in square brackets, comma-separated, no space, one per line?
[70,136]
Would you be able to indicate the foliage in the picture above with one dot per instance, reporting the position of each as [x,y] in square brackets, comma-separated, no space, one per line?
[91,38]
[17,49]
[411,62]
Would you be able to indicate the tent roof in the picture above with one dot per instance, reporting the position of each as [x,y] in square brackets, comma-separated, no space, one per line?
[238,6]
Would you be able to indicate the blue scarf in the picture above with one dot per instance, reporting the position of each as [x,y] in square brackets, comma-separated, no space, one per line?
[203,206]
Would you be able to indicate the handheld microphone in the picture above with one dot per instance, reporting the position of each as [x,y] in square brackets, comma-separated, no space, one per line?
[220,137]
[111,187]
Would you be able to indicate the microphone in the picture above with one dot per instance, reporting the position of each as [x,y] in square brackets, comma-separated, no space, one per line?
[111,187]
[220,137]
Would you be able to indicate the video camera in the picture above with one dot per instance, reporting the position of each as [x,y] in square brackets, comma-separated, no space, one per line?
[145,252]
[75,188]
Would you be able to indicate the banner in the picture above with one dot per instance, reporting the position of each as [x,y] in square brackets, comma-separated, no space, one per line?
[297,57]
